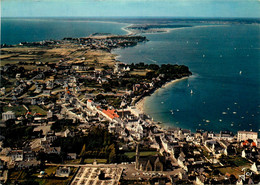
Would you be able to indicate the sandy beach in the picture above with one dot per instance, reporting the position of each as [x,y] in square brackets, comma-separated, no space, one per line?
[140,104]
[129,32]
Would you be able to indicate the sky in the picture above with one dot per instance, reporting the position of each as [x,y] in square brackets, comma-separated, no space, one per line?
[130,8]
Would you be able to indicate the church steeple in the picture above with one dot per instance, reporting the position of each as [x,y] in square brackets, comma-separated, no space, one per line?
[137,155]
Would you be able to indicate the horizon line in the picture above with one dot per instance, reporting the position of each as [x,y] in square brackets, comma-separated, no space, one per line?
[141,17]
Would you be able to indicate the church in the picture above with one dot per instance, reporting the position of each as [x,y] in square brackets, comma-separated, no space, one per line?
[151,163]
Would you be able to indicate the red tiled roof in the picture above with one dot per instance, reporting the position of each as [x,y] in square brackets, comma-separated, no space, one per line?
[245,142]
[111,113]
[89,100]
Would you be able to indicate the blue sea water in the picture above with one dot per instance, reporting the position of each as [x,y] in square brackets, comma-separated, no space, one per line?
[223,97]
[16,30]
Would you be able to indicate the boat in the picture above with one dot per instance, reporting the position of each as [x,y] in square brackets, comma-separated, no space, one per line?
[224,113]
[188,85]
[203,56]
[240,72]
[191,91]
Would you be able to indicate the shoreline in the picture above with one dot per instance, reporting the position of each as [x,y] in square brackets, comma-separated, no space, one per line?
[140,104]
[163,30]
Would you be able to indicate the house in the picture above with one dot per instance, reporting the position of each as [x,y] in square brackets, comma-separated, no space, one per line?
[8,115]
[46,93]
[2,90]
[16,155]
[90,104]
[33,101]
[246,154]
[183,175]
[110,114]
[49,114]
[52,150]
[38,89]
[245,135]
[152,163]
[63,172]
[256,167]
[71,156]
[27,164]
[49,85]
[66,133]
[200,180]
[181,162]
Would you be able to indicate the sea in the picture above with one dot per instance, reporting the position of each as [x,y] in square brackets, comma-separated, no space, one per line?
[223,94]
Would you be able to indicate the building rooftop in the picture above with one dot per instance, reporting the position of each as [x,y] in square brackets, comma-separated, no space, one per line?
[97,175]
[111,113]
[246,132]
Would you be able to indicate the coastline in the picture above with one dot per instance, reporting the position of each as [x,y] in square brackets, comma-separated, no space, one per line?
[128,32]
[140,104]
[163,30]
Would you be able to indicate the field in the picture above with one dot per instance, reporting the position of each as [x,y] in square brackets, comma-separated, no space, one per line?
[18,110]
[48,178]
[139,72]
[236,165]
[145,153]
[99,161]
[36,109]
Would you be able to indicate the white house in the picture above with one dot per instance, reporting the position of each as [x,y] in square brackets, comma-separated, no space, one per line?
[8,115]
[16,155]
[245,135]
[255,167]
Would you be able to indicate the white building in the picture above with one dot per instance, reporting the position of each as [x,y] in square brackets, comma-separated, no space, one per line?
[245,135]
[16,155]
[255,167]
[8,115]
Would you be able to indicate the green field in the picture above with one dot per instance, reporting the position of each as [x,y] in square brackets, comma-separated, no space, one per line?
[145,153]
[36,109]
[99,161]
[49,178]
[18,110]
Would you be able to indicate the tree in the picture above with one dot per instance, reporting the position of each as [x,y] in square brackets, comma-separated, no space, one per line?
[83,151]
[99,97]
[112,156]
[106,87]
[150,75]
